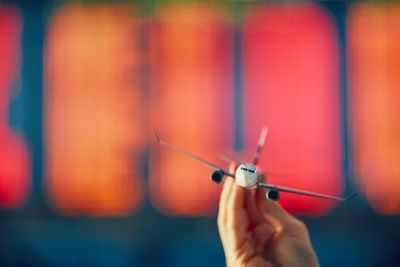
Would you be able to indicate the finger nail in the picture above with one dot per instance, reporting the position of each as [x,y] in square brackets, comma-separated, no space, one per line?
[232,167]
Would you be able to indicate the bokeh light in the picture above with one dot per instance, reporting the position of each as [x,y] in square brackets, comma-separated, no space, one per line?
[191,104]
[94,111]
[374,63]
[290,68]
[15,172]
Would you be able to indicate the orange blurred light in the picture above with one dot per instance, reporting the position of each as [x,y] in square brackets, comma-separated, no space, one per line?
[191,100]
[374,82]
[94,111]
[290,79]
[14,156]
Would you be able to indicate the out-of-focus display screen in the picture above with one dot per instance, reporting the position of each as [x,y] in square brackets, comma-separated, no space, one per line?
[374,50]
[83,85]
[191,104]
[290,66]
[94,122]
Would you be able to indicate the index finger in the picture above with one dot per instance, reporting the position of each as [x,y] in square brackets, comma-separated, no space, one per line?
[237,221]
[226,191]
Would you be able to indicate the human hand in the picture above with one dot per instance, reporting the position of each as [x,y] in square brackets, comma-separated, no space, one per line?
[256,231]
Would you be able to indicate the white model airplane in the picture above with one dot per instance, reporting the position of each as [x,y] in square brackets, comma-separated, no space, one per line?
[247,175]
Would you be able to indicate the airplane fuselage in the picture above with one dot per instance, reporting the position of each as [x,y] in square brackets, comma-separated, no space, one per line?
[247,175]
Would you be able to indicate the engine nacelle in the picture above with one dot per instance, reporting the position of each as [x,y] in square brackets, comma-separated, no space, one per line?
[217,176]
[273,194]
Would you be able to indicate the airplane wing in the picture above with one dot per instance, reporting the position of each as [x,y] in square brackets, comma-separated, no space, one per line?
[261,141]
[300,192]
[188,154]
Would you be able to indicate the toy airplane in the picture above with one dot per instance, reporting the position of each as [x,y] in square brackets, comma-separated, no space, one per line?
[247,174]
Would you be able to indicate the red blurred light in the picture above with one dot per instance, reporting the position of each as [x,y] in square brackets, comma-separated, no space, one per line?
[191,100]
[291,77]
[14,156]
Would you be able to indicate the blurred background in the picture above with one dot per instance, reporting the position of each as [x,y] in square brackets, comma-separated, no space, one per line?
[83,83]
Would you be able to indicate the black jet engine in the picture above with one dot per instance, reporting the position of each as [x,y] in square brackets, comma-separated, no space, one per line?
[217,176]
[273,194]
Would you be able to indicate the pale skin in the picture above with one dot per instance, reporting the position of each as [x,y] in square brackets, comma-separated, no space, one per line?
[257,232]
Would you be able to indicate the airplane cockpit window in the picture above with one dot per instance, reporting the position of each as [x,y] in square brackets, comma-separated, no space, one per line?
[248,170]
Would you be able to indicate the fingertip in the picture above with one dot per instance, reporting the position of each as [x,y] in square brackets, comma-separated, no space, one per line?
[226,188]
[226,192]
[232,167]
[263,177]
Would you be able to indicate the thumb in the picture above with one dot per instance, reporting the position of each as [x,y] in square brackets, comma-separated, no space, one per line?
[273,211]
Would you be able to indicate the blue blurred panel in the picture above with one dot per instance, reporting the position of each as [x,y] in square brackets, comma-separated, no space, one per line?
[60,244]
[338,249]
[189,251]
